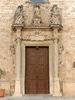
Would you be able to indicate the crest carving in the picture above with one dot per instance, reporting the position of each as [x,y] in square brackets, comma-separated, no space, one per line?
[37,21]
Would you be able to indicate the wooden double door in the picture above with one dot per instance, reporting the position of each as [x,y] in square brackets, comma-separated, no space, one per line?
[37,70]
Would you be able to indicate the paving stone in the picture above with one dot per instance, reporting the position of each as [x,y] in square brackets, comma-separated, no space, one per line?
[37,98]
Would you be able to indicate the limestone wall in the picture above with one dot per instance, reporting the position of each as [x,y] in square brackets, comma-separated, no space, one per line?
[67,57]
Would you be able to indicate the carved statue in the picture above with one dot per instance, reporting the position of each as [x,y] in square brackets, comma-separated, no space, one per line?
[37,11]
[55,15]
[19,17]
[37,21]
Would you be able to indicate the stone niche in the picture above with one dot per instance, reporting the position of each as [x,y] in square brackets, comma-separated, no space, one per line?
[37,24]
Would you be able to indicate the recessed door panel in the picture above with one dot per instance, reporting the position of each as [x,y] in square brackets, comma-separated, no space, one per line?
[37,70]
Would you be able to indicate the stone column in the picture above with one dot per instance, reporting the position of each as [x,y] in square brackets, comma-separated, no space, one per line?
[18,63]
[56,64]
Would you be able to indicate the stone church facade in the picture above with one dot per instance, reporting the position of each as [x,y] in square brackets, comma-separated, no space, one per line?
[37,47]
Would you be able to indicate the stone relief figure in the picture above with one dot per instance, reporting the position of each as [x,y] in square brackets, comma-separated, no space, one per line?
[19,17]
[55,15]
[37,21]
[37,11]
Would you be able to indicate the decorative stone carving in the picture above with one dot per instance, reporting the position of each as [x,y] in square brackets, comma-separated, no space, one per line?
[37,38]
[55,15]
[37,11]
[60,44]
[37,32]
[37,21]
[61,48]
[19,17]
[55,18]
[12,48]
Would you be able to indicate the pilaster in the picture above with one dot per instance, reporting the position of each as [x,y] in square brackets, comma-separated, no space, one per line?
[56,65]
[55,29]
[18,63]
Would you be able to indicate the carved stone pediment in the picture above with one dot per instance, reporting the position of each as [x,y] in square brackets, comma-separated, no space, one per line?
[37,15]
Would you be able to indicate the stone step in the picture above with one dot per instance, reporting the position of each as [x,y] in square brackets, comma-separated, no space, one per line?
[43,97]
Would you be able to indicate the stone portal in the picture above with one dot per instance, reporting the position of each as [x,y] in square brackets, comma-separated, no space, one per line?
[37,31]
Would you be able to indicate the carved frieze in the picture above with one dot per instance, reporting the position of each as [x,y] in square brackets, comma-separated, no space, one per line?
[37,38]
[37,35]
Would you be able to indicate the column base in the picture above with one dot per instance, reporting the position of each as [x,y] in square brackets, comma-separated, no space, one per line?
[17,95]
[17,92]
[57,88]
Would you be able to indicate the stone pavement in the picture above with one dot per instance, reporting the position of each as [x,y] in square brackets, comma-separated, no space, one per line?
[37,98]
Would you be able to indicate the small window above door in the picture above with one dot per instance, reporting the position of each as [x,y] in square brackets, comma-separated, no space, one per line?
[37,0]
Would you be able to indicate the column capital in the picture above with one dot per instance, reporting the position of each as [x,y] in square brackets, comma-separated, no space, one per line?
[57,27]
